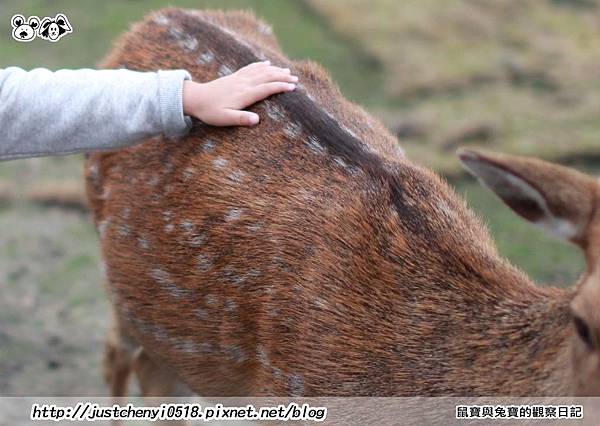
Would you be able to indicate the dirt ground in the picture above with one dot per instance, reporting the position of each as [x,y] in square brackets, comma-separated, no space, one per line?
[53,309]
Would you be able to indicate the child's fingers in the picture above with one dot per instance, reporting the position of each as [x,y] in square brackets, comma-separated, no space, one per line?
[273,74]
[232,117]
[267,89]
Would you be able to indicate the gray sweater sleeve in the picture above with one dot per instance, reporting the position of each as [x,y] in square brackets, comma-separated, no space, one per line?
[69,111]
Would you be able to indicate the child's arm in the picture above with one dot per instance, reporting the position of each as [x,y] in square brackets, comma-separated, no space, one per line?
[68,111]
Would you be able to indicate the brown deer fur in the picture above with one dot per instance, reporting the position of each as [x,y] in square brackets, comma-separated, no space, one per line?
[307,255]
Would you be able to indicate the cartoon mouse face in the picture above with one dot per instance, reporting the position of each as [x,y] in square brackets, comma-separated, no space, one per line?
[24,31]
[54,29]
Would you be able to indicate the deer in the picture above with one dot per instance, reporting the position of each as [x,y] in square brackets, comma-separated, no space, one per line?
[309,256]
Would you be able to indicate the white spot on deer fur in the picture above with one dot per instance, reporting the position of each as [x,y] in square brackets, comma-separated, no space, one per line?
[176,33]
[237,176]
[201,313]
[234,214]
[230,305]
[93,171]
[158,332]
[293,130]
[162,335]
[236,353]
[188,226]
[198,240]
[153,181]
[314,145]
[126,213]
[354,170]
[105,193]
[103,228]
[274,111]
[220,162]
[211,299]
[263,356]
[207,348]
[255,227]
[161,276]
[320,302]
[169,228]
[296,382]
[189,43]
[165,280]
[184,40]
[340,162]
[238,279]
[208,145]
[186,346]
[276,371]
[143,243]
[206,58]
[189,172]
[204,263]
[161,20]
[167,215]
[124,230]
[224,70]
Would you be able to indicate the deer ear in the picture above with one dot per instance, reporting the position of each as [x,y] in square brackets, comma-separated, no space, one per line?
[556,198]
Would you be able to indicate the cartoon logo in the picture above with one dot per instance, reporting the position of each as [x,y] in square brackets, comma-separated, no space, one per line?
[24,31]
[54,29]
[50,29]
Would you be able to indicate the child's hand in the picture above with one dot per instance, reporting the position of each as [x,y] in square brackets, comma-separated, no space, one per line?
[219,102]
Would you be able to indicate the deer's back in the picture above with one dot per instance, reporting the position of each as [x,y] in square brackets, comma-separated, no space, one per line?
[259,254]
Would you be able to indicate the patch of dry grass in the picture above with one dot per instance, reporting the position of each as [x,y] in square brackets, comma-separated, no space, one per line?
[528,69]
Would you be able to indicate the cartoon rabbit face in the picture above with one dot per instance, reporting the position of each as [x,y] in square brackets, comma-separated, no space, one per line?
[24,31]
[54,29]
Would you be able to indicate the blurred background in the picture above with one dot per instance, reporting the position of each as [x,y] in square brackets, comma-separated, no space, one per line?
[520,76]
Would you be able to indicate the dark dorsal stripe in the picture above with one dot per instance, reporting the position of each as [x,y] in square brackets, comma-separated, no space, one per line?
[312,118]
[302,110]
